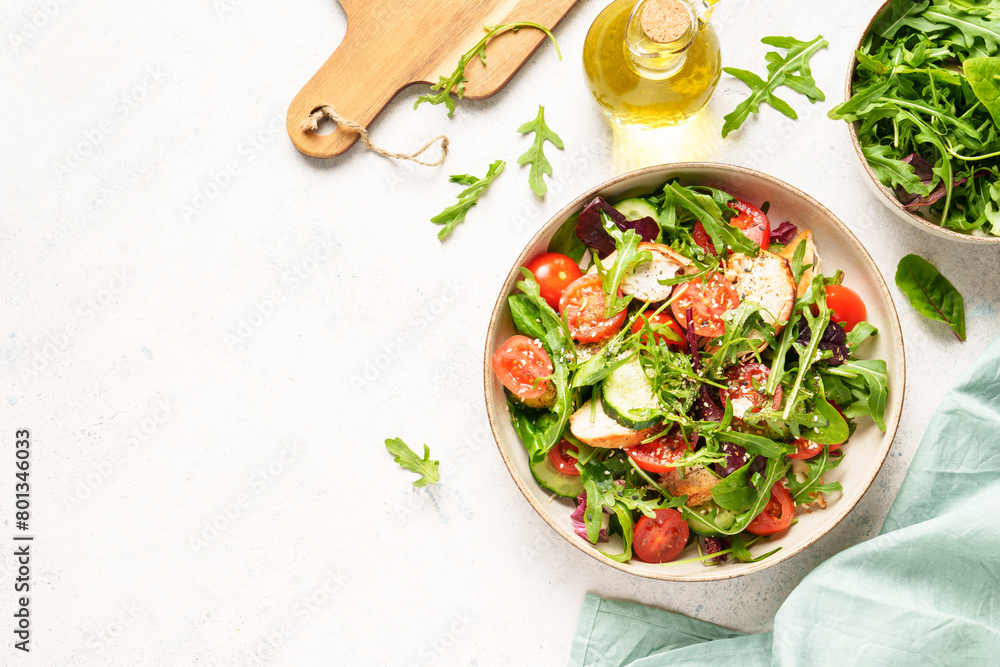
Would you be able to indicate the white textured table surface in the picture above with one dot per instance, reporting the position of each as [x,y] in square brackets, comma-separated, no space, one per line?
[210,335]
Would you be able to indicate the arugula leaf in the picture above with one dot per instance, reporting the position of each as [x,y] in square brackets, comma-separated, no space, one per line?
[756,444]
[808,355]
[467,198]
[931,294]
[859,334]
[742,554]
[535,156]
[406,457]
[894,172]
[808,489]
[627,258]
[455,83]
[792,71]
[868,380]
[714,217]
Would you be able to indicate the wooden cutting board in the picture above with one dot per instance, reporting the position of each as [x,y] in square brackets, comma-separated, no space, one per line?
[391,44]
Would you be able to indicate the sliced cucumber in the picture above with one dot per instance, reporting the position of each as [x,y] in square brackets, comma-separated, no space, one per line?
[552,480]
[722,518]
[636,209]
[627,389]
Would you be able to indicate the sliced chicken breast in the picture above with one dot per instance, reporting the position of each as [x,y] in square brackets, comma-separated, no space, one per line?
[643,281]
[766,280]
[696,485]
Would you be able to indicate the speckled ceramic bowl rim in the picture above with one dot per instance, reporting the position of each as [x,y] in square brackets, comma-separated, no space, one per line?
[668,171]
[888,195]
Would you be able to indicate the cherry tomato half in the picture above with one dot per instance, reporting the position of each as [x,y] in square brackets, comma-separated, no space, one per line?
[563,457]
[702,238]
[745,383]
[553,272]
[806,449]
[846,305]
[519,363]
[777,514]
[753,222]
[660,455]
[709,300]
[582,303]
[659,540]
[665,328]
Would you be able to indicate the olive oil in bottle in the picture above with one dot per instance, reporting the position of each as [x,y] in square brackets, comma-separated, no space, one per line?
[652,63]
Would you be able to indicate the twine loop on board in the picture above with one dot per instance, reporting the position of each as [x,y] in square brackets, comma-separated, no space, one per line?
[312,124]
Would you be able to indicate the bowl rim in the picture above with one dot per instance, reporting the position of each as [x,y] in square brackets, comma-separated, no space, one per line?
[669,170]
[888,195]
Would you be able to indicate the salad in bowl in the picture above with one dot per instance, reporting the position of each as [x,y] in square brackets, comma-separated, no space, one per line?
[685,378]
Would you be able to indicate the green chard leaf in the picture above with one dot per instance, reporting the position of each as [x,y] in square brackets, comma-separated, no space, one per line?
[539,430]
[535,156]
[791,70]
[566,242]
[984,78]
[455,82]
[406,457]
[931,294]
[467,198]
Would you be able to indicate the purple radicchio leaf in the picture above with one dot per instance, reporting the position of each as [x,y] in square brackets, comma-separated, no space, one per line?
[590,227]
[714,545]
[834,339]
[579,527]
[925,172]
[784,233]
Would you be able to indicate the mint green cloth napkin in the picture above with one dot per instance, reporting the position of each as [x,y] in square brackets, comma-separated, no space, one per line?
[926,591]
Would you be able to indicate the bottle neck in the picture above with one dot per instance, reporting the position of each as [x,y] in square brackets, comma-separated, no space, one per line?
[659,34]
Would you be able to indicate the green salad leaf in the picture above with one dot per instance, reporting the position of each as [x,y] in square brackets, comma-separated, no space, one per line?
[467,198]
[931,294]
[791,70]
[535,156]
[540,430]
[406,457]
[984,77]
[455,82]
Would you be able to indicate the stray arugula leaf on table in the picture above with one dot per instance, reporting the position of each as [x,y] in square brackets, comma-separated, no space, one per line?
[791,70]
[931,294]
[455,83]
[535,156]
[406,457]
[467,198]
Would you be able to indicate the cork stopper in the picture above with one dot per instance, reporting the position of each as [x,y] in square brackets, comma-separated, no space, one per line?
[665,21]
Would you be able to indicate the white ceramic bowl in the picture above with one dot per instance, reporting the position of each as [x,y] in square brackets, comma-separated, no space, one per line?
[838,248]
[886,195]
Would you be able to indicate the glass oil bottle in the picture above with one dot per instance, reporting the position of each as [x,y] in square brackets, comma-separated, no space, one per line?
[652,63]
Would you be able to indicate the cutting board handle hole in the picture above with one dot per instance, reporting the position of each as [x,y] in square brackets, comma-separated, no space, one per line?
[325,125]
